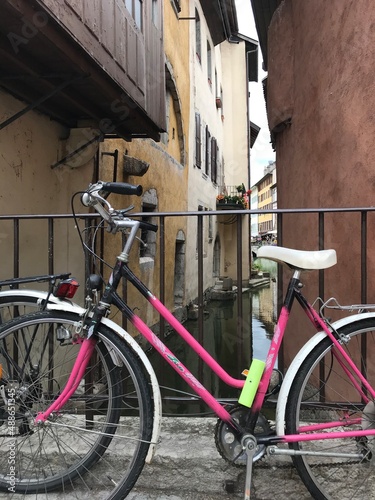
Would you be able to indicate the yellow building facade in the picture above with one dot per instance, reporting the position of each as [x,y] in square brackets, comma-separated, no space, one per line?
[165,180]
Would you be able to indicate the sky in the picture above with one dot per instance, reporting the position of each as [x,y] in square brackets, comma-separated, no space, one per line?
[261,152]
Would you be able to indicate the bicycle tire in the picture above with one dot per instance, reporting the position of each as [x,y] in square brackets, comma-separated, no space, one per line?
[320,392]
[17,304]
[99,440]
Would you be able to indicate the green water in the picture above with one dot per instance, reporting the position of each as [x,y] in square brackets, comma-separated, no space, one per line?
[221,340]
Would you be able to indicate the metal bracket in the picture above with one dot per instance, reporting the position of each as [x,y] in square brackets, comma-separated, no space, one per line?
[39,101]
[97,138]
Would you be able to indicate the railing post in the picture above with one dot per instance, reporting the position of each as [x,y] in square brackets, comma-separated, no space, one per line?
[280,284]
[321,247]
[363,257]
[239,279]
[50,245]
[200,292]
[16,248]
[162,273]
[364,286]
[200,277]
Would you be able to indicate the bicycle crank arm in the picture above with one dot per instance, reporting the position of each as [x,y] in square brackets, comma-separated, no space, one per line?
[249,444]
[274,450]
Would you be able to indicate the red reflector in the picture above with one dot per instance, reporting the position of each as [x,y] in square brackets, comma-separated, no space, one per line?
[66,289]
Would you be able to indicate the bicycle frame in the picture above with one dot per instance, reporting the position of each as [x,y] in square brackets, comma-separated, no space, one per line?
[110,296]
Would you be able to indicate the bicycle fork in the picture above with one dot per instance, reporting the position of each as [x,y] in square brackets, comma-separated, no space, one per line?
[78,370]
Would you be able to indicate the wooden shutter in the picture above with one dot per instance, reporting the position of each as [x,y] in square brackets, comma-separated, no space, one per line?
[198,141]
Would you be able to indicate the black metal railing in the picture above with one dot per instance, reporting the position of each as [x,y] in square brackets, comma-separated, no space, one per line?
[54,243]
[161,217]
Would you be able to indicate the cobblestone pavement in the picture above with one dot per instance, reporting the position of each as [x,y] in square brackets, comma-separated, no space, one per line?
[187,466]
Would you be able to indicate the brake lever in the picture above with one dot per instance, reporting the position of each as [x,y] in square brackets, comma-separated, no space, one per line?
[125,210]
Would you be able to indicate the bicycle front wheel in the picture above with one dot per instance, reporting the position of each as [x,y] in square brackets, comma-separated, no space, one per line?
[97,443]
[323,399]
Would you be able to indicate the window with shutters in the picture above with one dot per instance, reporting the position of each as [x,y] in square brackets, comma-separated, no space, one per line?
[208,156]
[198,141]
[214,156]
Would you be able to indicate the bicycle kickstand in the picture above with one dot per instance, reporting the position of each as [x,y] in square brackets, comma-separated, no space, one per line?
[250,445]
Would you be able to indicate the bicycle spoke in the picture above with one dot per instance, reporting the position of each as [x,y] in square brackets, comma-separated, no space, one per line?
[110,411]
[325,397]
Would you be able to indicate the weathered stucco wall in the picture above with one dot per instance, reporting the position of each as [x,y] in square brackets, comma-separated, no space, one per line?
[321,57]
[28,148]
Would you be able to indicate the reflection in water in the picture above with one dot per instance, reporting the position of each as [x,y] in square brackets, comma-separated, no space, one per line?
[220,339]
[264,303]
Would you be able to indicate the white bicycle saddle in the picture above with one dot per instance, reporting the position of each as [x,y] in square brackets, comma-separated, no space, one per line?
[299,259]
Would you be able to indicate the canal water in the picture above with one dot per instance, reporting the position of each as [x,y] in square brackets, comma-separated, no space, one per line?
[220,339]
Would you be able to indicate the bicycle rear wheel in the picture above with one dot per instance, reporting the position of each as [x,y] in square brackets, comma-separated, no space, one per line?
[15,304]
[323,392]
[97,443]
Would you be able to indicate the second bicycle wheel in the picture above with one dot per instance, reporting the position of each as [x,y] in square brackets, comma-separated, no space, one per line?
[97,443]
[323,392]
[15,303]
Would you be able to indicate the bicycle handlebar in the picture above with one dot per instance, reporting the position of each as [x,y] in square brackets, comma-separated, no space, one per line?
[115,219]
[122,188]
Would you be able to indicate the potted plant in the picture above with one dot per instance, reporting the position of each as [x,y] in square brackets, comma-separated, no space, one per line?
[239,201]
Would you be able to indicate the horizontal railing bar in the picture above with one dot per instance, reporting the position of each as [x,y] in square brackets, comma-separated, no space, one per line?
[203,213]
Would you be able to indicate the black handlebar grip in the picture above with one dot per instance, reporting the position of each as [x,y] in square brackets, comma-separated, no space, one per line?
[122,188]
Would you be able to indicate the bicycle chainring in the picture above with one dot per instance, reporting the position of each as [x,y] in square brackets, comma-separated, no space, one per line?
[228,444]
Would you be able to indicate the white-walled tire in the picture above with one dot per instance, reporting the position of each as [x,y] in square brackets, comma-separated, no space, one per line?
[321,392]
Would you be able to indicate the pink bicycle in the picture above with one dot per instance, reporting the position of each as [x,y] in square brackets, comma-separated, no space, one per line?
[80,406]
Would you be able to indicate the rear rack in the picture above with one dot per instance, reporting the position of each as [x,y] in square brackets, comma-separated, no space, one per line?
[332,303]
[51,278]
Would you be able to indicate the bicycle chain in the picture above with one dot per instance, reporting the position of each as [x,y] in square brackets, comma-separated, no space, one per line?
[291,466]
[260,463]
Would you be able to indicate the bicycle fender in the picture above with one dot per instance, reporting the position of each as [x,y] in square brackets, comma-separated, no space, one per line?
[38,295]
[125,336]
[297,362]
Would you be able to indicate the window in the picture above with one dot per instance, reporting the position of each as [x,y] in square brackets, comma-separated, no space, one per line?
[214,155]
[198,48]
[155,13]
[209,64]
[177,5]
[147,248]
[208,158]
[198,141]
[135,9]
